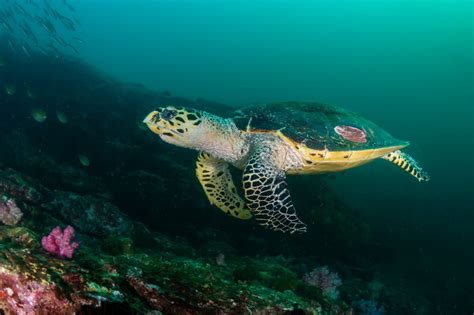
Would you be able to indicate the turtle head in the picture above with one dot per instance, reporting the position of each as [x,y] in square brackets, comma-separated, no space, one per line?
[176,125]
[199,130]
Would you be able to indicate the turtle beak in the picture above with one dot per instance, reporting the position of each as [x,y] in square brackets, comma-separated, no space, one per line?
[151,121]
[151,117]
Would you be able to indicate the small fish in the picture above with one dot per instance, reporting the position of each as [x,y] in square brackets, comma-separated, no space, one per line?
[141,126]
[61,117]
[39,115]
[55,13]
[26,28]
[220,260]
[42,50]
[47,5]
[6,25]
[84,160]
[30,93]
[33,38]
[48,26]
[53,51]
[67,22]
[26,51]
[70,7]
[74,49]
[60,40]
[77,39]
[10,89]
[12,45]
[36,5]
[19,8]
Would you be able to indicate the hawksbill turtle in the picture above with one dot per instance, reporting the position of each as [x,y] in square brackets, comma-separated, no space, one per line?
[269,141]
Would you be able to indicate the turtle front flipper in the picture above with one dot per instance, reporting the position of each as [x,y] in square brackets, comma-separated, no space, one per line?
[216,180]
[267,193]
[407,163]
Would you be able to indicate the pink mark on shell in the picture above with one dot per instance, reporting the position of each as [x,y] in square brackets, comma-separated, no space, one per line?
[351,133]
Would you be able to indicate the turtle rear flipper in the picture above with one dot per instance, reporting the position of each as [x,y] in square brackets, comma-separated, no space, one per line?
[267,193]
[407,163]
[216,180]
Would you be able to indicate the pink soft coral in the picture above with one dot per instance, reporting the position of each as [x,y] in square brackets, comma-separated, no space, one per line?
[59,243]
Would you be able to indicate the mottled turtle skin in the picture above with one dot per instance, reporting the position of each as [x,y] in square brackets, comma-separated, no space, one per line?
[312,124]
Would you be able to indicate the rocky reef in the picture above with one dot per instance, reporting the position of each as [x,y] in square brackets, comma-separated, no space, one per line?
[133,269]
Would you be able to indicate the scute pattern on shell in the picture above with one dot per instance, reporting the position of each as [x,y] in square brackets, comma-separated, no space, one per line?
[313,124]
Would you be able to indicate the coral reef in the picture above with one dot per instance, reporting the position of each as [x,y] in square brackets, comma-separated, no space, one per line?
[19,295]
[126,273]
[144,281]
[59,243]
[325,280]
[10,214]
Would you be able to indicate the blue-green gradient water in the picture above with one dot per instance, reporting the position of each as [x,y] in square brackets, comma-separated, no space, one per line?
[405,65]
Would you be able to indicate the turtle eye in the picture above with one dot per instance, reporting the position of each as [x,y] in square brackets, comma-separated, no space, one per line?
[155,117]
[168,114]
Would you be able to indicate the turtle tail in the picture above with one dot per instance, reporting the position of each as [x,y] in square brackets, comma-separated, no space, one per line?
[407,163]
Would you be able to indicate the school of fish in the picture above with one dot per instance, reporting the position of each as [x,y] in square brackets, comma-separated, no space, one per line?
[48,26]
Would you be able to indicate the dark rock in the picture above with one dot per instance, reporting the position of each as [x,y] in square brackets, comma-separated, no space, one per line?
[89,214]
[21,187]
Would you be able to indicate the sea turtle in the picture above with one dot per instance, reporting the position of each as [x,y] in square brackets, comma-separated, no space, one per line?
[268,141]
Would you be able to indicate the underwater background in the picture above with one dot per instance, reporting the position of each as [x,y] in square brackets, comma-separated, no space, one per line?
[78,77]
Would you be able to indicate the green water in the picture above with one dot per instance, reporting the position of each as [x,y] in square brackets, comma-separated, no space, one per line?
[406,65]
